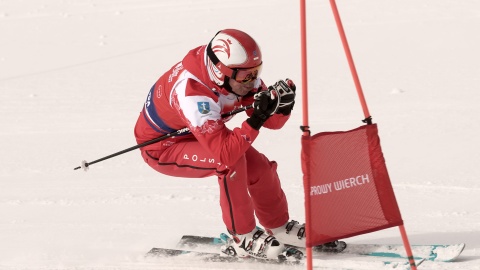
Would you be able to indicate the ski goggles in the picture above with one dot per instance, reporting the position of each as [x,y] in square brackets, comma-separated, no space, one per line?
[240,75]
[246,75]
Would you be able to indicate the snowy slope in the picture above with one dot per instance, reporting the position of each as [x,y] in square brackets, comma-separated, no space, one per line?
[74,75]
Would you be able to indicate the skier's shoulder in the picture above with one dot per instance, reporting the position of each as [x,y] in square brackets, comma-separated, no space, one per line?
[195,87]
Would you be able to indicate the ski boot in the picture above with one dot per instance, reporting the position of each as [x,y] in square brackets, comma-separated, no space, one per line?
[257,244]
[293,234]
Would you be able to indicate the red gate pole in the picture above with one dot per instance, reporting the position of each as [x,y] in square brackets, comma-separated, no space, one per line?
[303,37]
[353,70]
[305,127]
[408,248]
[368,119]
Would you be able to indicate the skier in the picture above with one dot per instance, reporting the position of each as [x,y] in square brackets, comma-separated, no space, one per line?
[211,80]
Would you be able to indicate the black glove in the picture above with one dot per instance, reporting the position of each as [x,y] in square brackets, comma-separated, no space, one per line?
[285,90]
[264,106]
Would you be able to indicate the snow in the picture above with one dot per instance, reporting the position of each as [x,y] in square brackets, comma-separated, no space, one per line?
[74,76]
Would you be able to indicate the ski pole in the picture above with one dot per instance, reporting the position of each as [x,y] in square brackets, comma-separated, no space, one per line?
[84,165]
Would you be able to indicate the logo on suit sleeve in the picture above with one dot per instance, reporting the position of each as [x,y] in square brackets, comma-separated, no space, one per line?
[203,107]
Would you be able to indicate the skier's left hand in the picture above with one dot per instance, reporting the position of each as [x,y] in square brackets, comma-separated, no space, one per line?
[285,91]
[265,105]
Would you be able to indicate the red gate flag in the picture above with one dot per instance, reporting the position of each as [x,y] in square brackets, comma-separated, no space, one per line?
[347,185]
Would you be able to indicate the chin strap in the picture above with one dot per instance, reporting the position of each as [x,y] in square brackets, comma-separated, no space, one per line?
[228,87]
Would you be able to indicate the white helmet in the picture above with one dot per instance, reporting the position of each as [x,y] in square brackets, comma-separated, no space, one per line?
[234,54]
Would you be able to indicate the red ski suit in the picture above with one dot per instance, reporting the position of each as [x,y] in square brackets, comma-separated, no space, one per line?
[185,97]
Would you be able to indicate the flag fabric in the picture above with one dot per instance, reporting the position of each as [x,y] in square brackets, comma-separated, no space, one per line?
[347,185]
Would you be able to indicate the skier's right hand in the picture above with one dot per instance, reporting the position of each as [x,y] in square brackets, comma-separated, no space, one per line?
[265,105]
[286,93]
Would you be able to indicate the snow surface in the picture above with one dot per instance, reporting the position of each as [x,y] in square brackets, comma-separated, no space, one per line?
[74,76]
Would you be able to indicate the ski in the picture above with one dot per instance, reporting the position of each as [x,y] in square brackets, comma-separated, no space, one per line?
[194,241]
[219,257]
[438,253]
[211,256]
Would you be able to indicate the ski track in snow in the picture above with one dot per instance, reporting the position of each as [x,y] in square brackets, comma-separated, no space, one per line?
[74,75]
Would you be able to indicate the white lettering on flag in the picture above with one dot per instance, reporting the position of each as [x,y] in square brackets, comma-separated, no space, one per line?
[351,182]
